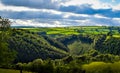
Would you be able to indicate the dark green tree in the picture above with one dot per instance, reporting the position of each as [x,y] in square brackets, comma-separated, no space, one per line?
[6,56]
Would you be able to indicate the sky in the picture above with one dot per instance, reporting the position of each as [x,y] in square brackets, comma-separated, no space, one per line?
[61,13]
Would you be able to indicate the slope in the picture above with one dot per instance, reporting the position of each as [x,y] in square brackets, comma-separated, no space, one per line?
[30,46]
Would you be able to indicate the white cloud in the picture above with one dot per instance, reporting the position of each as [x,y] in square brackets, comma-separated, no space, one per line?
[113,1]
[117,20]
[68,14]
[96,4]
[35,23]
[116,7]
[83,21]
[99,16]
[79,2]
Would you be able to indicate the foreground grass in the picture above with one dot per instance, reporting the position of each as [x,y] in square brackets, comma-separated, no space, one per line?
[11,71]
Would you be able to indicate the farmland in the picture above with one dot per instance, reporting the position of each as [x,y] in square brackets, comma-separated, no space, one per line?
[93,30]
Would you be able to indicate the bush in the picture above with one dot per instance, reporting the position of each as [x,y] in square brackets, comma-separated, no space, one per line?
[101,67]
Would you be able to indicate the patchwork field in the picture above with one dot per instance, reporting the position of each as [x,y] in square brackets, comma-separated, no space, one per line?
[76,30]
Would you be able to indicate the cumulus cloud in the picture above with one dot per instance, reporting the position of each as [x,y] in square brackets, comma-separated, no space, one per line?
[66,22]
[60,13]
[116,7]
[35,23]
[55,4]
[66,19]
[73,6]
[96,4]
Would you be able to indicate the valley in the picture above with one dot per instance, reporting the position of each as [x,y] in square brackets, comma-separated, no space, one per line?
[64,49]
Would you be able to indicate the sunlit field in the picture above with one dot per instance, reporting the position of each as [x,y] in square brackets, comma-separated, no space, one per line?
[76,30]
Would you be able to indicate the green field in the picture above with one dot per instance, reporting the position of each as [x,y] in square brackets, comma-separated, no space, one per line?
[93,30]
[11,71]
[84,30]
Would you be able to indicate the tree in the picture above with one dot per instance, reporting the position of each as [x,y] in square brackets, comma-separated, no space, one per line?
[6,56]
[37,65]
[4,24]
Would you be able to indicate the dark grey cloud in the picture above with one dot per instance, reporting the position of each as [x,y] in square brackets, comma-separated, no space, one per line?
[105,21]
[48,4]
[87,9]
[30,15]
[82,9]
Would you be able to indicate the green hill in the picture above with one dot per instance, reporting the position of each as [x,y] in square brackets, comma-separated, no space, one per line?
[30,46]
[108,44]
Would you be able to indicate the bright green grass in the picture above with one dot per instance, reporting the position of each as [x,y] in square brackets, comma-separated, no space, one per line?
[62,32]
[116,36]
[77,48]
[11,71]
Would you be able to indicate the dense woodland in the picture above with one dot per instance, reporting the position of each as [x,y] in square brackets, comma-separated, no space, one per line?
[42,52]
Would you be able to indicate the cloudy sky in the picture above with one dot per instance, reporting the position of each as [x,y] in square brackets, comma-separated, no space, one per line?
[57,13]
